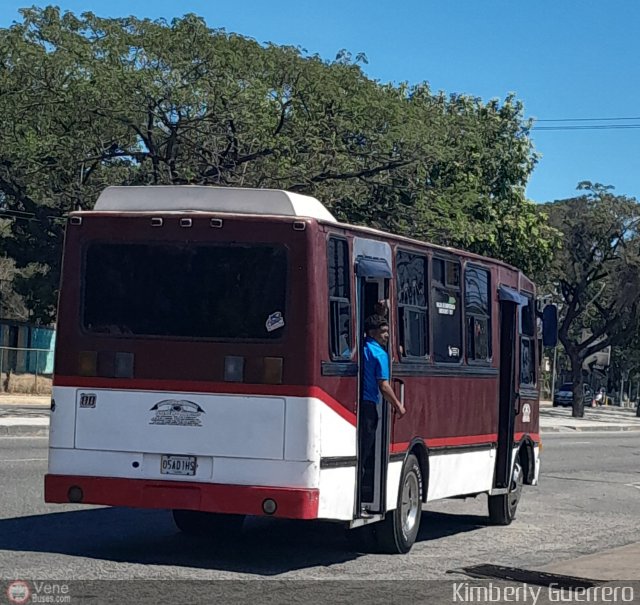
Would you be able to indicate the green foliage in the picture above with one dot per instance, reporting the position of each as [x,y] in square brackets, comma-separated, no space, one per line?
[86,102]
[596,272]
[12,305]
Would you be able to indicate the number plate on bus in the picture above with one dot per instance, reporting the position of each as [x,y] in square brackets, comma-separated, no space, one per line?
[178,465]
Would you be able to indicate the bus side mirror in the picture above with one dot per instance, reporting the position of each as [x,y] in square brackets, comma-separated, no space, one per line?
[550,326]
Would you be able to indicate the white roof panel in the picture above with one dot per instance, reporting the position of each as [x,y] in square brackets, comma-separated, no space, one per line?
[185,198]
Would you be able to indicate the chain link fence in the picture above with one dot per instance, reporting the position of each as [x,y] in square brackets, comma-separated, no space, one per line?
[25,370]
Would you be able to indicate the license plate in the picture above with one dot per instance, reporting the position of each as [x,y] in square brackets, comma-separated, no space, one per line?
[178,465]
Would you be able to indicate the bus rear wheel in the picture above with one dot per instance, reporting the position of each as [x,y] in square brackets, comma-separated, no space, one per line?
[502,508]
[214,525]
[399,530]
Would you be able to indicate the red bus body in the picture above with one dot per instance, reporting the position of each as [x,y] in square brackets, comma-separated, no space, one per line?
[107,443]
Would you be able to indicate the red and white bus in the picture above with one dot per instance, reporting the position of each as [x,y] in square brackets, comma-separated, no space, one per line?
[207,362]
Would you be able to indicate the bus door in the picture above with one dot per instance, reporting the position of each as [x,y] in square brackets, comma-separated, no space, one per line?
[508,398]
[373,274]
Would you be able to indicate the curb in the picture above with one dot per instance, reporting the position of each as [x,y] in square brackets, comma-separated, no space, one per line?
[24,430]
[588,429]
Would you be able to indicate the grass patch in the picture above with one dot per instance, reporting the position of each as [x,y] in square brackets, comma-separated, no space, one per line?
[25,384]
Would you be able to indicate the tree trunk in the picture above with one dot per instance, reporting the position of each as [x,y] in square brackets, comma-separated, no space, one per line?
[578,389]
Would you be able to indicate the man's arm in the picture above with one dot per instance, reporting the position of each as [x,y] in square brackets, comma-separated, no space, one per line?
[390,396]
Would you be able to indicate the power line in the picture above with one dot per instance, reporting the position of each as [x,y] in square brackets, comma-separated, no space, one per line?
[16,212]
[578,123]
[15,215]
[592,127]
[584,119]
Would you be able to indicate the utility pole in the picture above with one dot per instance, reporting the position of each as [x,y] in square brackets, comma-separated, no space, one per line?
[553,372]
[624,375]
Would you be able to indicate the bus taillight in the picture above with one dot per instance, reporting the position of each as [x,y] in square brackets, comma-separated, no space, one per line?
[108,364]
[88,363]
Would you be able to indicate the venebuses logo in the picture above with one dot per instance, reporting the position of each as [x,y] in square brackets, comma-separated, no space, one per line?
[18,592]
[38,591]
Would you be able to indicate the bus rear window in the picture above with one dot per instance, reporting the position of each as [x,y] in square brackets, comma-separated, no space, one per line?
[205,291]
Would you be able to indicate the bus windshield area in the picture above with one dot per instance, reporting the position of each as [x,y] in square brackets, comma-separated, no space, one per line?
[208,291]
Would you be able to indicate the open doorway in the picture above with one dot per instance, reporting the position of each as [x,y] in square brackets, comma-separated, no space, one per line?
[372,468]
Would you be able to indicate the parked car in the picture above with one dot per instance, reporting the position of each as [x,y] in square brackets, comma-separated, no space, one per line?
[564,395]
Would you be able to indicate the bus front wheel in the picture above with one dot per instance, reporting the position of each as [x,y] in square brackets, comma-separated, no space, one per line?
[502,508]
[199,523]
[399,530]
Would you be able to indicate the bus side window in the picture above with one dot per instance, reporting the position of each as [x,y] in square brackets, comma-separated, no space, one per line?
[446,311]
[340,333]
[411,280]
[477,309]
[527,343]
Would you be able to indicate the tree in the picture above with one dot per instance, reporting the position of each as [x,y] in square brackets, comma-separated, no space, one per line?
[86,102]
[595,274]
[624,370]
[12,306]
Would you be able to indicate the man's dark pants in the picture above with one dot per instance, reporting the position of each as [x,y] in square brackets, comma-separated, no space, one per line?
[367,435]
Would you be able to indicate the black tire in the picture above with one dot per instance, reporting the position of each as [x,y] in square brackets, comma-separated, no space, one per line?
[503,507]
[399,530]
[211,525]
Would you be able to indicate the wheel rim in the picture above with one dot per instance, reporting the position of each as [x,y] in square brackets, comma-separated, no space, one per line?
[410,507]
[516,487]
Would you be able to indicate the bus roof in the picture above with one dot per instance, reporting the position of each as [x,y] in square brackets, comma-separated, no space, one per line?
[167,198]
[238,200]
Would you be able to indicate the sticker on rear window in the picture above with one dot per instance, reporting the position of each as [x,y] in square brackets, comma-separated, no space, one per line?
[274,321]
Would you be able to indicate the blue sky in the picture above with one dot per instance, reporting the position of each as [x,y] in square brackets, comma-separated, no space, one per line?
[565,59]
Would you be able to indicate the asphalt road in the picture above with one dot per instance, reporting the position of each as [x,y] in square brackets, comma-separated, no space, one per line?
[588,500]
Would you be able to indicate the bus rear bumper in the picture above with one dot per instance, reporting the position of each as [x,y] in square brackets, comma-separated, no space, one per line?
[291,503]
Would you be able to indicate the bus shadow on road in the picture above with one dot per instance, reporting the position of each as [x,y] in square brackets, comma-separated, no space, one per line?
[436,525]
[149,537]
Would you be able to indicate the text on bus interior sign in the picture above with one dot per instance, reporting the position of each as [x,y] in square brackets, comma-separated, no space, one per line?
[447,308]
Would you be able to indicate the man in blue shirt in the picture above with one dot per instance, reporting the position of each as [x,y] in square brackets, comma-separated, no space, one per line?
[375,386]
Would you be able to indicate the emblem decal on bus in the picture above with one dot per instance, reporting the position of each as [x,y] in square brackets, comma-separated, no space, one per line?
[177,412]
[88,400]
[526,413]
[274,321]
